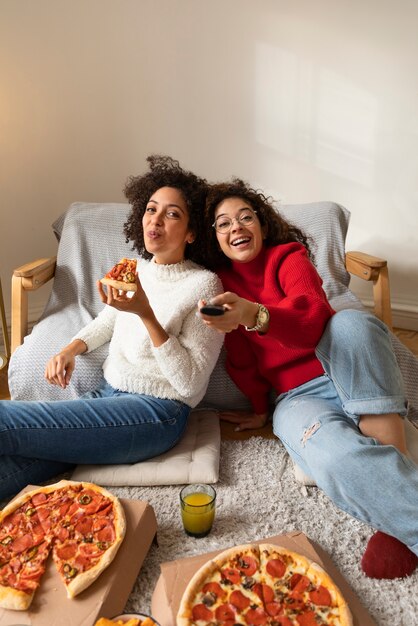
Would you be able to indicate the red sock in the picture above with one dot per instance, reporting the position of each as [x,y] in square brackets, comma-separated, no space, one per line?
[387,557]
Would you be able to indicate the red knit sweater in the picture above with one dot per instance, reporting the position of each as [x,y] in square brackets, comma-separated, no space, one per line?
[286,282]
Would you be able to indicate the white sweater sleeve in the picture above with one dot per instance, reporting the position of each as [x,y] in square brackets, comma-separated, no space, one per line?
[99,331]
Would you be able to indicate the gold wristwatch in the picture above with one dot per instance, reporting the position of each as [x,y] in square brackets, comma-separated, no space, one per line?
[262,318]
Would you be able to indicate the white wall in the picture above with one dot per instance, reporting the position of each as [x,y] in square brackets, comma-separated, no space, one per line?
[308,100]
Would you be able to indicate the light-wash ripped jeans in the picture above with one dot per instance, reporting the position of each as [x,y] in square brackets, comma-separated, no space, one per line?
[39,440]
[318,424]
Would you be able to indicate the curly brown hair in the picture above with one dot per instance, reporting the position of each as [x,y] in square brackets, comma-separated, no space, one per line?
[277,229]
[166,172]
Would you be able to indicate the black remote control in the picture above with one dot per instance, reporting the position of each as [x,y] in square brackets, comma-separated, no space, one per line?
[213,309]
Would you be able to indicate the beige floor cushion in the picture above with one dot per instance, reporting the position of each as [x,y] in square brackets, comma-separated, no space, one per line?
[195,459]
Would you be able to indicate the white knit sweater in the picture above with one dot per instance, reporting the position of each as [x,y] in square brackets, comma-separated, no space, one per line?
[180,368]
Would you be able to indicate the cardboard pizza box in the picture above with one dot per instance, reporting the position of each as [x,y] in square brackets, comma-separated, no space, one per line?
[108,595]
[175,575]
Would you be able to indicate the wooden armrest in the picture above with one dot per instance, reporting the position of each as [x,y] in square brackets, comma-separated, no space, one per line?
[373,268]
[28,277]
[36,273]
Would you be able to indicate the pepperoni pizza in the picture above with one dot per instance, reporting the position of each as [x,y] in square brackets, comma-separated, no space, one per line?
[122,275]
[81,524]
[265,584]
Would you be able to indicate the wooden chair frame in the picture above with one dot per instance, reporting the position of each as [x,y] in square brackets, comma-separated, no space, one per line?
[32,276]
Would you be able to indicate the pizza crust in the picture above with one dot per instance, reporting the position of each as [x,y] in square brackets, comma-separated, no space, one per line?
[14,599]
[119,284]
[248,549]
[204,573]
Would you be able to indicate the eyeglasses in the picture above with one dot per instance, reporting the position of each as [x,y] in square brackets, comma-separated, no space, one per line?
[223,224]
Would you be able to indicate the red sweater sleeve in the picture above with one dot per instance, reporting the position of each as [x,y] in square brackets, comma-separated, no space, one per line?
[301,312]
[242,367]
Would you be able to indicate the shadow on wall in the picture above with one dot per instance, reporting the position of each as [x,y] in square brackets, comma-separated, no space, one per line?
[315,115]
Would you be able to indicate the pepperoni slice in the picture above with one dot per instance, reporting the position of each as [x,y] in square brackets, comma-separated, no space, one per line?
[299,582]
[295,601]
[66,552]
[90,549]
[22,543]
[33,572]
[15,565]
[201,612]
[256,617]
[64,508]
[39,498]
[62,534]
[239,600]
[106,511]
[82,562]
[264,592]
[214,588]
[247,565]
[231,574]
[276,568]
[274,608]
[225,612]
[106,534]
[320,596]
[283,621]
[97,503]
[38,533]
[307,619]
[84,526]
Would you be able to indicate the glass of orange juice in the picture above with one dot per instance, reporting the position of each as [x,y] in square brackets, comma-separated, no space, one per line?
[197,509]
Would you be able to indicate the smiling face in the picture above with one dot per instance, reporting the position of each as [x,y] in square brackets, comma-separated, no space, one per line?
[166,226]
[244,241]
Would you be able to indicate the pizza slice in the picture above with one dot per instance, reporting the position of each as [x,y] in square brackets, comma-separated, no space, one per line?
[222,591]
[24,550]
[122,275]
[303,592]
[87,525]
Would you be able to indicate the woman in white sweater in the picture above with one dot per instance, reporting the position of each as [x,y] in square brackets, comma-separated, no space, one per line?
[160,357]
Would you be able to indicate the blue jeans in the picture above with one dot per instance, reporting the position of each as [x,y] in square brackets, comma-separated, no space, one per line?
[318,424]
[39,440]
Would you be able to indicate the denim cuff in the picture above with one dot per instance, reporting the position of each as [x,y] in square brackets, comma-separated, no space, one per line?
[376,406]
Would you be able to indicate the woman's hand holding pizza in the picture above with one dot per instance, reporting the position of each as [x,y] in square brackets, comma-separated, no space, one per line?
[136,302]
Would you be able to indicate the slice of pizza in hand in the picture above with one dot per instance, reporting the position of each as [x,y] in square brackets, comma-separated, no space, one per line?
[122,275]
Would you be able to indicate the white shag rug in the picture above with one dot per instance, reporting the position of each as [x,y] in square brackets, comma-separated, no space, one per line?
[257,497]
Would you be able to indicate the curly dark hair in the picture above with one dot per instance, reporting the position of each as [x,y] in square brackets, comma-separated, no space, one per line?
[166,172]
[277,229]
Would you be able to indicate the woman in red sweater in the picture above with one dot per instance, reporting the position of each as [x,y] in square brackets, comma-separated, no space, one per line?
[340,401]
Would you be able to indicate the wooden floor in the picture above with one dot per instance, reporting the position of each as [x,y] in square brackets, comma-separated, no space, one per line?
[408,337]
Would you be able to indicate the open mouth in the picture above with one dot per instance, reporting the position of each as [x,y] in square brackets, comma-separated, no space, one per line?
[240,241]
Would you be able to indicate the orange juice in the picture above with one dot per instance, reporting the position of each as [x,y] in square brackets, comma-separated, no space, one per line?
[198,512]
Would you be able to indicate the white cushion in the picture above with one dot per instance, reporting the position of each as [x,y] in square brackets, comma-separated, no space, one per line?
[195,459]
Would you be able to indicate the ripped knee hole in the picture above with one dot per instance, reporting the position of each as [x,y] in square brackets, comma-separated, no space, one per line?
[308,432]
